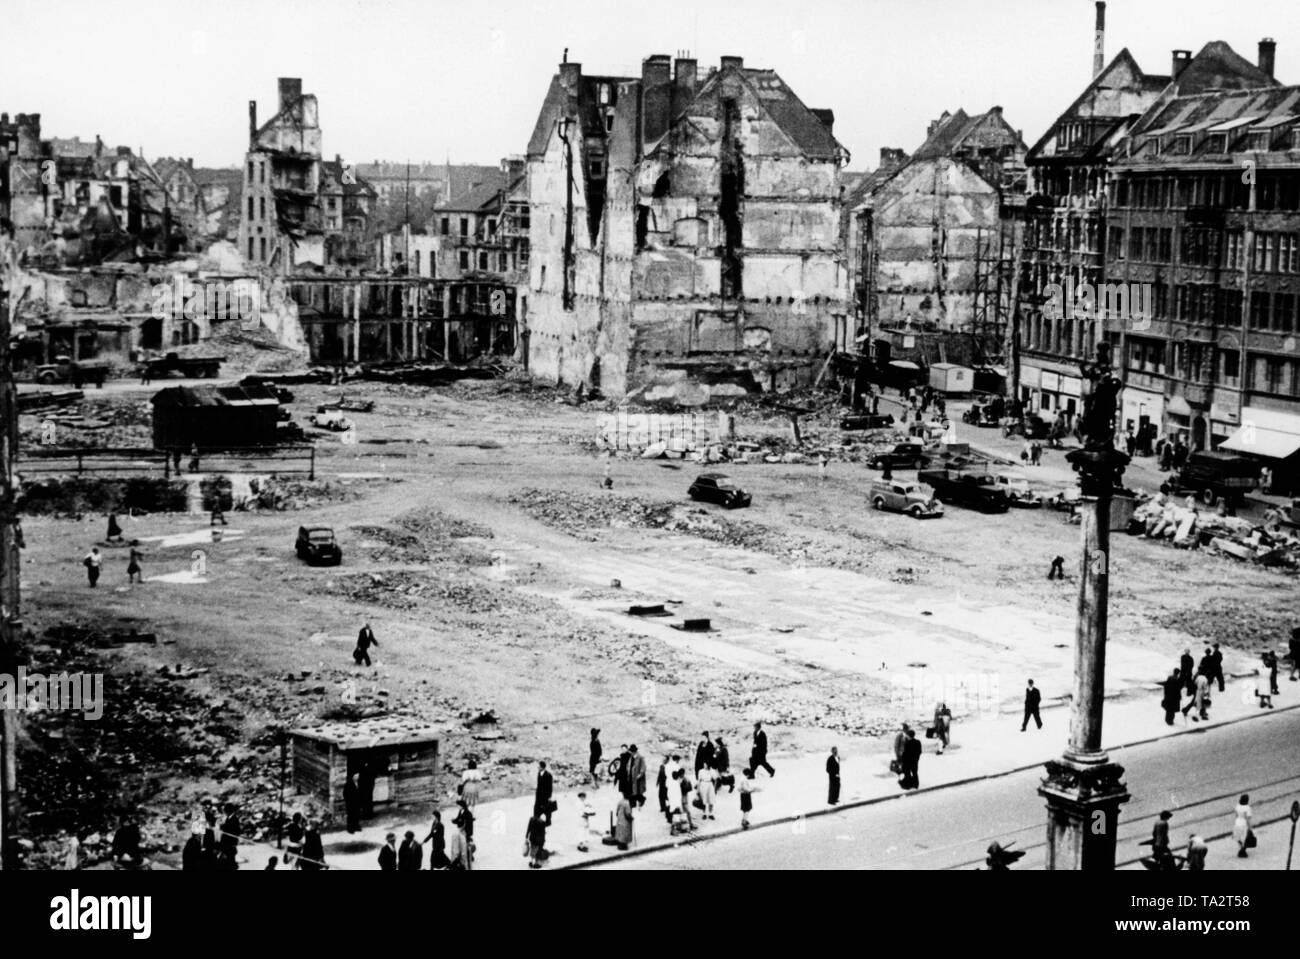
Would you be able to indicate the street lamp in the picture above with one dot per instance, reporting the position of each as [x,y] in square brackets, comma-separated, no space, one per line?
[1083,788]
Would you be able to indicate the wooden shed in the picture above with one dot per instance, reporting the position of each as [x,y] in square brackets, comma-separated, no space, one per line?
[394,758]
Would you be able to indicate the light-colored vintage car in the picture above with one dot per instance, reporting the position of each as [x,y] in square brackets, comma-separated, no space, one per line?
[1017,488]
[913,499]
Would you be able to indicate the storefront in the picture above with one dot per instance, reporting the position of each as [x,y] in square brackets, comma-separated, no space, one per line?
[1273,437]
[1141,413]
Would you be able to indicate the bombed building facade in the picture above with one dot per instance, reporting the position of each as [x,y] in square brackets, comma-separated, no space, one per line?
[684,229]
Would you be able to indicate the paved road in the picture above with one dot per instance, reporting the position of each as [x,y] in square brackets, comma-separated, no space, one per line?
[1197,777]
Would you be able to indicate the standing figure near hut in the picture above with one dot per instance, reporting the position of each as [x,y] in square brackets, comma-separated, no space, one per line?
[114,530]
[352,803]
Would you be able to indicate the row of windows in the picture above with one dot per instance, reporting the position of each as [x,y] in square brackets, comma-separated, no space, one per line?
[1205,246]
[260,166]
[262,241]
[1220,191]
[263,208]
[484,261]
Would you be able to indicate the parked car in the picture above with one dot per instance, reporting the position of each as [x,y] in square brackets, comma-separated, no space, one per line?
[903,456]
[1017,488]
[1212,476]
[1035,427]
[866,421]
[966,488]
[317,545]
[716,488]
[911,498]
[332,420]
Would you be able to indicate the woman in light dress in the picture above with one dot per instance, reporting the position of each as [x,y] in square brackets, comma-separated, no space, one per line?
[1241,827]
[471,781]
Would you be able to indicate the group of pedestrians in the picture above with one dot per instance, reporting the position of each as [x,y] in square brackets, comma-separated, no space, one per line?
[1163,858]
[93,561]
[450,850]
[1196,681]
[214,847]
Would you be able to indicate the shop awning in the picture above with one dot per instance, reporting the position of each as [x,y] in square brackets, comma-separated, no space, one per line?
[1178,406]
[1272,444]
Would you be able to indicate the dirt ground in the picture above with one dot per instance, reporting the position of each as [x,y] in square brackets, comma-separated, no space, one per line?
[480,546]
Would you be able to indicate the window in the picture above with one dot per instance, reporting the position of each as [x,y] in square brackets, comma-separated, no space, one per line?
[1283,308]
[503,262]
[482,260]
[464,259]
[444,227]
[464,226]
[262,206]
[250,247]
[1166,245]
[262,244]
[609,121]
[1259,310]
[596,167]
[1231,361]
[417,261]
[1216,143]
[1232,251]
[250,208]
[250,171]
[1116,241]
[262,171]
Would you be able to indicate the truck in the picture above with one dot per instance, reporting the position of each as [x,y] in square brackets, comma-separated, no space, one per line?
[66,370]
[187,366]
[975,489]
[1214,476]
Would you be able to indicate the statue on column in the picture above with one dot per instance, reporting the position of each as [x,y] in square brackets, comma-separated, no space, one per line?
[1099,463]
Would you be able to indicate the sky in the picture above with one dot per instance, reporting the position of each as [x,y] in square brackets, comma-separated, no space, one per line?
[428,80]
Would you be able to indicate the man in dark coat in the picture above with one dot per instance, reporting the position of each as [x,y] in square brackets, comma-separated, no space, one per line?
[1160,851]
[545,786]
[703,754]
[231,830]
[758,755]
[1032,698]
[637,776]
[1216,662]
[365,639]
[1206,666]
[911,761]
[623,772]
[352,803]
[722,763]
[1173,697]
[833,777]
[411,856]
[1294,646]
[388,854]
[1187,669]
[595,755]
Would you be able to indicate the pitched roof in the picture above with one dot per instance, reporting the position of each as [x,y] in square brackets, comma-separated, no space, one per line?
[801,124]
[1234,113]
[1217,65]
[478,196]
[958,131]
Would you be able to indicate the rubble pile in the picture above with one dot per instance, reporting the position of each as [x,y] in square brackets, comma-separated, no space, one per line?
[1187,527]
[1239,624]
[283,493]
[408,590]
[91,423]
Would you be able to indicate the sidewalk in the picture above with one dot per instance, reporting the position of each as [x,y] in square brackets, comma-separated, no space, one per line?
[1271,852]
[980,749]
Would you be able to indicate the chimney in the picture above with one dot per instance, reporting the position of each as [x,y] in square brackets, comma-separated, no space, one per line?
[1267,51]
[1099,41]
[1181,59]
[252,121]
[684,71]
[290,91]
[826,116]
[656,96]
[736,62]
[99,145]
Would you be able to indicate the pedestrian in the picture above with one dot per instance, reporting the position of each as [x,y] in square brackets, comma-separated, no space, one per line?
[1032,698]
[673,800]
[587,811]
[703,753]
[706,786]
[1187,669]
[352,803]
[595,753]
[388,853]
[93,561]
[758,754]
[900,740]
[145,376]
[747,789]
[1206,666]
[1294,646]
[1200,699]
[833,777]
[911,762]
[1057,569]
[942,725]
[133,563]
[1270,663]
[821,466]
[194,457]
[296,830]
[176,461]
[886,473]
[192,854]
[465,820]
[231,830]
[722,765]
[1216,663]
[623,820]
[438,843]
[1036,453]
[1130,443]
[459,853]
[217,517]
[271,864]
[543,805]
[685,788]
[661,784]
[114,529]
[1160,850]
[623,771]
[211,848]
[1173,687]
[1242,834]
[365,639]
[410,858]
[471,783]
[313,850]
[1197,849]
[637,776]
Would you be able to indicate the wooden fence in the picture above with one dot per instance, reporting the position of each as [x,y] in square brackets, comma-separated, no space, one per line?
[273,460]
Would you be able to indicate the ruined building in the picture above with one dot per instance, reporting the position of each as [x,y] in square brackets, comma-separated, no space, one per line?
[684,229]
[932,237]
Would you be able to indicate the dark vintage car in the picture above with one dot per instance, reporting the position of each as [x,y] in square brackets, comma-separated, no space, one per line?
[866,421]
[1035,427]
[973,489]
[716,488]
[316,545]
[908,456]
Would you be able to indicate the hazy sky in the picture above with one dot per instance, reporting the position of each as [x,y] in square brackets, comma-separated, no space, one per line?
[405,79]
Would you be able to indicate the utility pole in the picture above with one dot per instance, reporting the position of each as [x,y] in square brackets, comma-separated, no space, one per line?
[1247,253]
[1083,788]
